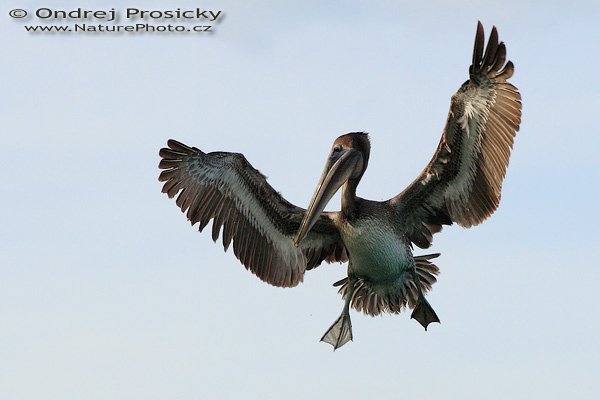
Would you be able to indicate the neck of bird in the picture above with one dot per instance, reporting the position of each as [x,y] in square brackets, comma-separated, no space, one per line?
[349,198]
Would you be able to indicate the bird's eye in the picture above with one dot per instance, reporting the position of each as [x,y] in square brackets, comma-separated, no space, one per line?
[337,149]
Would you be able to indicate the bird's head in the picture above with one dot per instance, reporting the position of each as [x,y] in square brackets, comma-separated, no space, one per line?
[346,162]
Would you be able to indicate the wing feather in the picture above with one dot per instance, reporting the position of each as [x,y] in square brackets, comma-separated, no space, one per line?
[246,210]
[463,181]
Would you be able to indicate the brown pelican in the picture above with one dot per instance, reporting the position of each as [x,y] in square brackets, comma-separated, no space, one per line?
[279,242]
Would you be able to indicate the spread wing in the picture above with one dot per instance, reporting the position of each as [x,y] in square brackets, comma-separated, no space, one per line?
[462,182]
[261,224]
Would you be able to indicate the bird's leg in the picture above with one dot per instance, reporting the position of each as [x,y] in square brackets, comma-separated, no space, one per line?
[340,332]
[423,312]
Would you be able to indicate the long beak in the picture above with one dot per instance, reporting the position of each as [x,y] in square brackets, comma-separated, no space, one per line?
[335,174]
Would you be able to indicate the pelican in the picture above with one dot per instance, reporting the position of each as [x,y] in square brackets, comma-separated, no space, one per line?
[279,242]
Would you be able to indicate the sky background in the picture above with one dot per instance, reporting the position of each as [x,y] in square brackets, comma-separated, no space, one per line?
[106,292]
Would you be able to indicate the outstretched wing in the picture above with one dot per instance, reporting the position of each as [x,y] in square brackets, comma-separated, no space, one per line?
[462,182]
[224,187]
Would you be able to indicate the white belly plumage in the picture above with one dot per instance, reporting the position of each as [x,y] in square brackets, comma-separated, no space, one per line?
[376,252]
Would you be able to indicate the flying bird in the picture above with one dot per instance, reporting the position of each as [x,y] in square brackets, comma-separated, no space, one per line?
[279,242]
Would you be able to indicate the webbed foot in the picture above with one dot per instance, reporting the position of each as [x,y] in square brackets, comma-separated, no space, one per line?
[424,313]
[340,332]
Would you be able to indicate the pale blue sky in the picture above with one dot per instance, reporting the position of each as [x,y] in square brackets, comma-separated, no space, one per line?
[107,293]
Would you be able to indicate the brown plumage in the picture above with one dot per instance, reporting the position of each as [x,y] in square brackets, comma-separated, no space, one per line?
[279,241]
[462,182]
[224,187]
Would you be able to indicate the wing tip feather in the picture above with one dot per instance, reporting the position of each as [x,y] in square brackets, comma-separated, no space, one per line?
[493,62]
[477,47]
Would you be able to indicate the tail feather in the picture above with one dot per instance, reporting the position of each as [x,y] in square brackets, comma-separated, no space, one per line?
[366,299]
[427,271]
